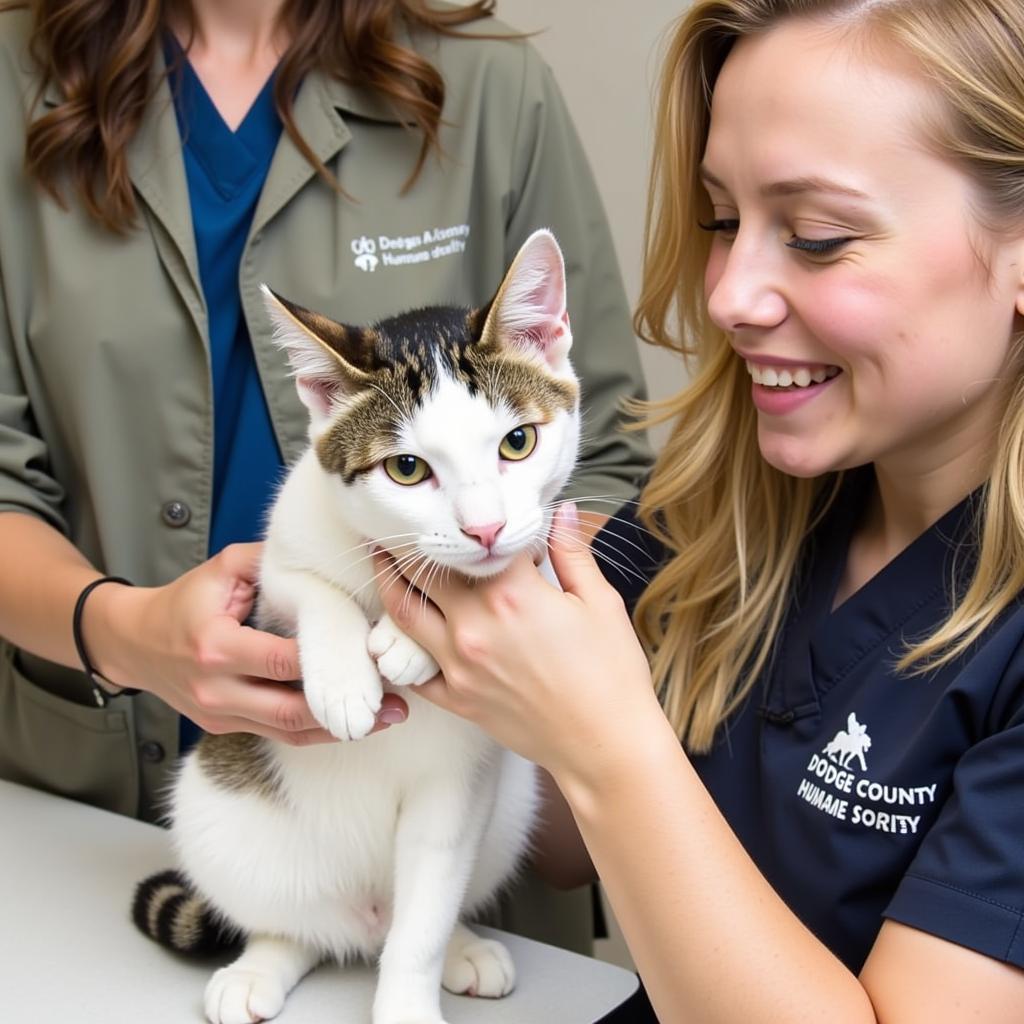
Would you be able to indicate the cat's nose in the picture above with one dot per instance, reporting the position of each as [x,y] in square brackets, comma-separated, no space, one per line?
[486,534]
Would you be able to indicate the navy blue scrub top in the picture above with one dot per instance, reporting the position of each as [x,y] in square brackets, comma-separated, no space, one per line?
[225,171]
[862,794]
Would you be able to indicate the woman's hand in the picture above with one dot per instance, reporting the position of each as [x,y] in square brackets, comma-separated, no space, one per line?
[186,643]
[557,675]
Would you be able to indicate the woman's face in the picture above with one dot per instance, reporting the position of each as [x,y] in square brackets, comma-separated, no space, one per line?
[847,258]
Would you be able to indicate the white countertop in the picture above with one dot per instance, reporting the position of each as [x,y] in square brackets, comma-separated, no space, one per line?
[69,952]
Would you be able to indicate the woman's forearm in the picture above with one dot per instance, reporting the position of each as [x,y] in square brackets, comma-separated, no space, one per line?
[42,578]
[712,940]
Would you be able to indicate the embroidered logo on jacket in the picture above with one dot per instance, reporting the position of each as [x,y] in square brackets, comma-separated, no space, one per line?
[408,250]
[836,788]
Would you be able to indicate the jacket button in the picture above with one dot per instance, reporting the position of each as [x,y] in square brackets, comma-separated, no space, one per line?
[176,513]
[151,751]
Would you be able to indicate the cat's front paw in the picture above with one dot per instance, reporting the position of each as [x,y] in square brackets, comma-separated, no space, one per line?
[400,660]
[236,995]
[346,708]
[480,967]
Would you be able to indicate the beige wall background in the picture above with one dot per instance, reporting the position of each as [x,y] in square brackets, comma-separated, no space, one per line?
[605,55]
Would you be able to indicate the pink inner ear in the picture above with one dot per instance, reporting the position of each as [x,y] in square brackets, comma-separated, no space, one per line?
[317,393]
[549,296]
[544,319]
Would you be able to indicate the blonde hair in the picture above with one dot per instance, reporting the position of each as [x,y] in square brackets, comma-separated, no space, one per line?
[734,524]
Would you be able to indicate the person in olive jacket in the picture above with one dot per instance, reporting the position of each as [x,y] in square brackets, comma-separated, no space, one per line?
[362,158]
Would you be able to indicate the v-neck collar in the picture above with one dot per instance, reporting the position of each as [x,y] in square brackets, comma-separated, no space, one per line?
[820,646]
[229,158]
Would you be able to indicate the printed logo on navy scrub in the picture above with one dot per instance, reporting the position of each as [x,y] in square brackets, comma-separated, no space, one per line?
[839,783]
[385,251]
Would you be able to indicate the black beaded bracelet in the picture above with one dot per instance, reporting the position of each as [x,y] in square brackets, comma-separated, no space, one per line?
[102,689]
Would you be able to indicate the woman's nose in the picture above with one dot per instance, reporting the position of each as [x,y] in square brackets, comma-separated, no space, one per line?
[743,288]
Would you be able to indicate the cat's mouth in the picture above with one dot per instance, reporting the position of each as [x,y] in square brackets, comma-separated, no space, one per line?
[488,564]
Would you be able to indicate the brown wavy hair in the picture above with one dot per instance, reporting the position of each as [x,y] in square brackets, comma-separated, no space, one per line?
[99,54]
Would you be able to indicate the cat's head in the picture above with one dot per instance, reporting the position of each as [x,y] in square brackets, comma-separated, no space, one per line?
[448,432]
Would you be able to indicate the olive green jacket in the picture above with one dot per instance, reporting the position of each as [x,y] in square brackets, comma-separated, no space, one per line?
[106,417]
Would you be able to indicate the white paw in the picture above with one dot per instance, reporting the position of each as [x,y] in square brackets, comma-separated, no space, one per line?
[481,967]
[345,708]
[235,995]
[400,660]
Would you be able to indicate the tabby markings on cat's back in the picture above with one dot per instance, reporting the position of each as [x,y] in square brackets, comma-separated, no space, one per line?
[239,761]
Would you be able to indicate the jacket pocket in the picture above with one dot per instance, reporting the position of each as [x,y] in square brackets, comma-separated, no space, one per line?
[71,749]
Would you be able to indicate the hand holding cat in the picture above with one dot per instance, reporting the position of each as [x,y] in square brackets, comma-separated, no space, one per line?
[186,642]
[556,675]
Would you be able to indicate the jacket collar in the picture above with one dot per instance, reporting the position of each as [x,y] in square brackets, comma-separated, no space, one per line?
[157,170]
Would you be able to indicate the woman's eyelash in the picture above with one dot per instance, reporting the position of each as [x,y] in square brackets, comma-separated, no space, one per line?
[816,245]
[719,225]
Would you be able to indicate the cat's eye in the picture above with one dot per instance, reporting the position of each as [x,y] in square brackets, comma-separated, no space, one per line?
[406,469]
[518,443]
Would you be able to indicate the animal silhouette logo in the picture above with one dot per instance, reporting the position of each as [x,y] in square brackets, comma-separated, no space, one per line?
[850,743]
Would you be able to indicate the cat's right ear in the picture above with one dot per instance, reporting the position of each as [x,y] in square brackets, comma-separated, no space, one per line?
[529,311]
[314,345]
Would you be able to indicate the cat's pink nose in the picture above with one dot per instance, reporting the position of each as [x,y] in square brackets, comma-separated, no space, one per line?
[486,534]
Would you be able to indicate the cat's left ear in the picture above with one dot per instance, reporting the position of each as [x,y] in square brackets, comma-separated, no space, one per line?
[529,310]
[326,357]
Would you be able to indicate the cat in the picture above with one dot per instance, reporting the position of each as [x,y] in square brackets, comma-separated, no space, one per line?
[443,436]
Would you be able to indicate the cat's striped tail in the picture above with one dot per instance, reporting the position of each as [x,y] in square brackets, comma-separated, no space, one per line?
[171,912]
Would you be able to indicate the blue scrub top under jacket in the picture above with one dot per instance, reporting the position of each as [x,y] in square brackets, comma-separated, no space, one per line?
[862,794]
[225,171]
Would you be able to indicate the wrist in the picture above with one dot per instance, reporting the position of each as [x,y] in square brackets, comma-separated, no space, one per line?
[619,762]
[106,628]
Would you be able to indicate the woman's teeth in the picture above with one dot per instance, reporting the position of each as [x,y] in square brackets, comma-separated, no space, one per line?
[787,376]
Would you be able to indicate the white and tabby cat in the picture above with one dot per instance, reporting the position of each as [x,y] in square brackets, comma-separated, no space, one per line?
[444,436]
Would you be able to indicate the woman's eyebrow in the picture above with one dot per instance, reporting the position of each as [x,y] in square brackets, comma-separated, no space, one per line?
[792,186]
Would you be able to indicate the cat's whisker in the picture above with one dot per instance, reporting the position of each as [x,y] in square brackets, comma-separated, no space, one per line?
[368,556]
[427,564]
[626,569]
[619,539]
[379,541]
[366,545]
[614,544]
[390,571]
[607,498]
[605,543]
[398,575]
[406,565]
[394,552]
[435,571]
[610,500]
